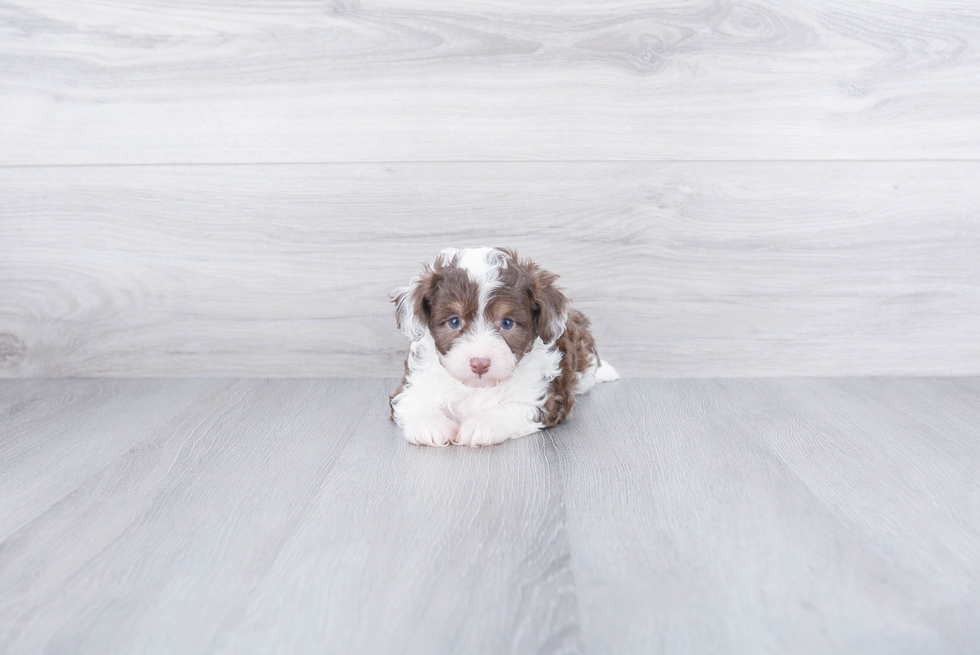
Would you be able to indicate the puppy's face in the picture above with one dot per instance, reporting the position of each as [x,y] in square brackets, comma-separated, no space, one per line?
[484,309]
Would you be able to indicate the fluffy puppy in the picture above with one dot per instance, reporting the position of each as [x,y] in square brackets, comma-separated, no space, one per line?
[496,351]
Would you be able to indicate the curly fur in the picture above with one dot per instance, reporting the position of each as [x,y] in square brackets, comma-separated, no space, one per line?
[496,353]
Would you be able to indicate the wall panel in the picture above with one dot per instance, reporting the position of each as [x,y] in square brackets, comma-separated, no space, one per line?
[687,269]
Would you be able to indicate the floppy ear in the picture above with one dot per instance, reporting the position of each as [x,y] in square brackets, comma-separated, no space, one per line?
[548,303]
[413,303]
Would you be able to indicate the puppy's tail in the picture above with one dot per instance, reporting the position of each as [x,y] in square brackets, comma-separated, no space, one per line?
[606,372]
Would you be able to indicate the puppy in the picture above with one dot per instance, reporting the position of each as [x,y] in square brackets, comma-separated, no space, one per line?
[496,351]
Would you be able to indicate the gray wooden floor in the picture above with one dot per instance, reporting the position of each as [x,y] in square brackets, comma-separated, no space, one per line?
[674,516]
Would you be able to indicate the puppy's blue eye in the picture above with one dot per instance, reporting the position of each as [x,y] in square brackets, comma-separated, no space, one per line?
[454,322]
[507,323]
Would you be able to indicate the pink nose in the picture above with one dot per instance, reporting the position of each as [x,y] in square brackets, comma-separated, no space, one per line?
[480,365]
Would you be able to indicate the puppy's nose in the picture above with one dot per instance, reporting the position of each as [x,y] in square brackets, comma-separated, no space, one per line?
[480,365]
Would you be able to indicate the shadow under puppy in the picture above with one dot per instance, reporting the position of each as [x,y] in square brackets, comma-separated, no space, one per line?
[496,351]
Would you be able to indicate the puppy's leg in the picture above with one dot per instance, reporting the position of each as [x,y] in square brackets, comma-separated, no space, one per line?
[507,421]
[422,421]
[585,380]
[606,372]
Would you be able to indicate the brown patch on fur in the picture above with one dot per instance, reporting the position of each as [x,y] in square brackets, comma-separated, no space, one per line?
[455,295]
[576,344]
[530,296]
[547,302]
[443,291]
[512,300]
[416,296]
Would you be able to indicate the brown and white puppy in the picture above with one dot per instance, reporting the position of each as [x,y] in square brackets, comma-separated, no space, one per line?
[496,351]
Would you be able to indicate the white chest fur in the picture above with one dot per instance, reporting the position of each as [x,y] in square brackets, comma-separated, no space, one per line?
[509,409]
[527,386]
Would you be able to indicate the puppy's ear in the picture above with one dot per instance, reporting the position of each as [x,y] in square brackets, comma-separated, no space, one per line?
[548,304]
[413,304]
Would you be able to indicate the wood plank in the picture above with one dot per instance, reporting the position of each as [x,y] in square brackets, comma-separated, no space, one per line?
[290,516]
[898,462]
[422,550]
[800,515]
[160,547]
[729,516]
[56,435]
[310,81]
[687,269]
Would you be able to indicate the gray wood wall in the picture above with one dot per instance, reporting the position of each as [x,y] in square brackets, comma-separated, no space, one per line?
[729,189]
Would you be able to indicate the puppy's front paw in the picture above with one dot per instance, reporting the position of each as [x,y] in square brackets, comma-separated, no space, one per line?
[481,431]
[435,430]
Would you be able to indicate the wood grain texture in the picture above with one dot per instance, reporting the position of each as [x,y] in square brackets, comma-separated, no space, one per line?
[686,269]
[338,80]
[804,516]
[420,550]
[57,435]
[163,517]
[283,516]
[666,516]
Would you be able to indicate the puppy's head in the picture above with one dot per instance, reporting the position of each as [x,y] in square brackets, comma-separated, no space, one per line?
[484,309]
